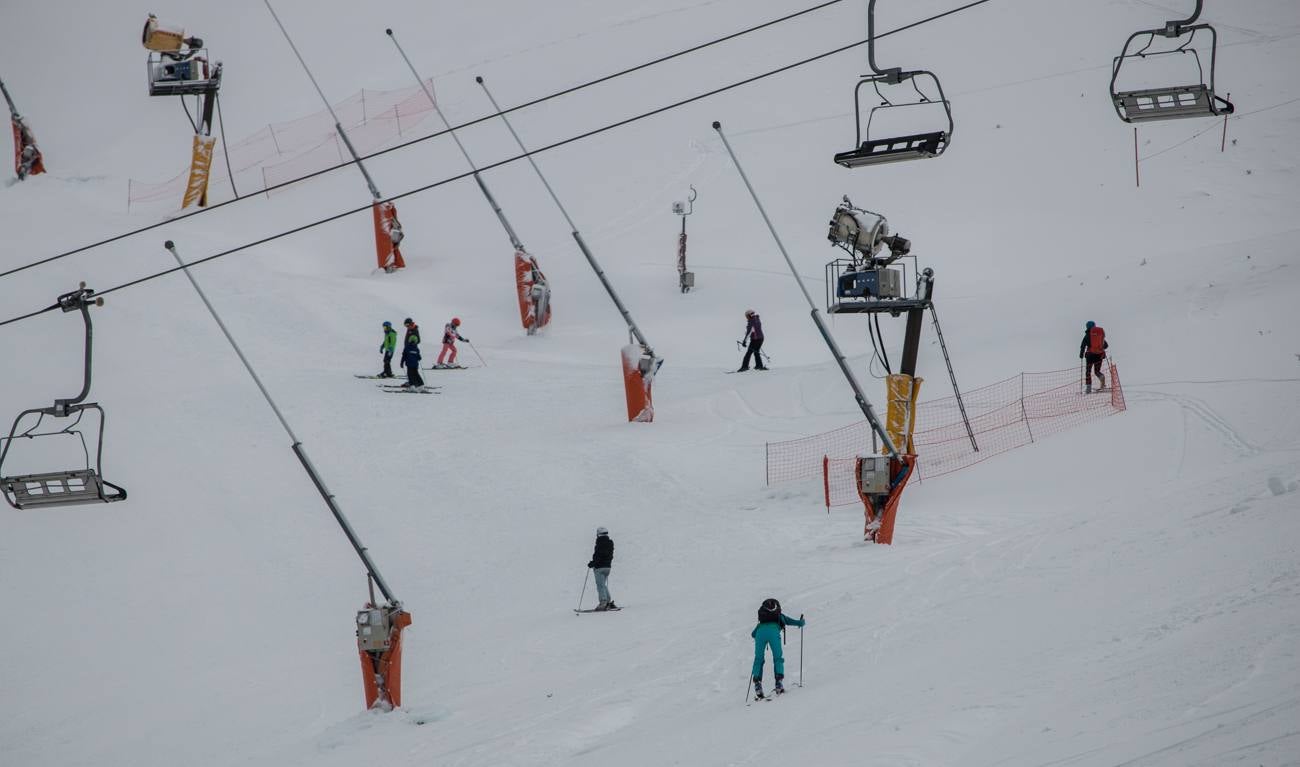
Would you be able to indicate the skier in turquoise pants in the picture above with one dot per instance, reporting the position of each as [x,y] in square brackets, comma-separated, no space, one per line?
[768,634]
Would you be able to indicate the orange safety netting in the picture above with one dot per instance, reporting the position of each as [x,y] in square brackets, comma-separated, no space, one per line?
[1003,416]
[284,151]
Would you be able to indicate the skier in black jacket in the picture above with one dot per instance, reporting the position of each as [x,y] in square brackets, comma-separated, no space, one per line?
[601,560]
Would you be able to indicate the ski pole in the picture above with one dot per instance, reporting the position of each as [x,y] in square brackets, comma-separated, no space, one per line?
[476,354]
[801,652]
[586,578]
[748,682]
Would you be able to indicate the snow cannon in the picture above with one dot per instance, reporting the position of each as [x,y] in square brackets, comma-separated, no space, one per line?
[863,280]
[166,38]
[379,643]
[639,367]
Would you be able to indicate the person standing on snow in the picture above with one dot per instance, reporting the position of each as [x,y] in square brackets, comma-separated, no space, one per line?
[1093,350]
[753,340]
[386,348]
[768,633]
[602,558]
[411,353]
[450,335]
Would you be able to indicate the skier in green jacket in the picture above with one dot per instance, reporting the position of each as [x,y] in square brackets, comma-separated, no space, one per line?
[768,633]
[387,348]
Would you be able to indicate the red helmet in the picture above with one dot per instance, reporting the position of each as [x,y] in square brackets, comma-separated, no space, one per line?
[455,320]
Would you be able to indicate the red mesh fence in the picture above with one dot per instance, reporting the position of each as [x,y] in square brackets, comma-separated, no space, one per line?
[284,151]
[1003,416]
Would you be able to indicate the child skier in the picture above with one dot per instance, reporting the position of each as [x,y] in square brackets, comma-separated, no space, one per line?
[1093,350]
[386,348]
[753,340]
[768,633]
[450,334]
[411,353]
[602,558]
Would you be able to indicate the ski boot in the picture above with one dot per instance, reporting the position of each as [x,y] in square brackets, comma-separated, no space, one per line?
[758,688]
[779,689]
[600,608]
[612,606]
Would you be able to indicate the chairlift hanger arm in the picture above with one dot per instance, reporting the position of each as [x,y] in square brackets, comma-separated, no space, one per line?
[1175,28]
[892,75]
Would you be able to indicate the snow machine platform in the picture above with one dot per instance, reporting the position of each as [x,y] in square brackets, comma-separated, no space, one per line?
[185,74]
[917,146]
[60,488]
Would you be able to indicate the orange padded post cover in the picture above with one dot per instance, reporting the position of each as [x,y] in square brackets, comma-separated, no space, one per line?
[527,272]
[23,137]
[640,405]
[388,667]
[388,233]
[885,532]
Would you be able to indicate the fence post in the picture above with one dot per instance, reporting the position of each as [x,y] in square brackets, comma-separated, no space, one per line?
[274,140]
[826,481]
[1024,414]
[397,115]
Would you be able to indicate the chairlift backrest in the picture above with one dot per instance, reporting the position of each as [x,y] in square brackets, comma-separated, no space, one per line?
[1169,102]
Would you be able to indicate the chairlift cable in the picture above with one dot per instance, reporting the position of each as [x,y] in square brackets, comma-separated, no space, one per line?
[433,135]
[459,176]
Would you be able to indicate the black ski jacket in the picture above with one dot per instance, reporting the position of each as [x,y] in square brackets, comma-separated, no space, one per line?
[603,556]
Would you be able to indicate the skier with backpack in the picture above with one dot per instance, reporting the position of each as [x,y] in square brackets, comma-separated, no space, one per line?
[768,632]
[386,348]
[450,335]
[1092,350]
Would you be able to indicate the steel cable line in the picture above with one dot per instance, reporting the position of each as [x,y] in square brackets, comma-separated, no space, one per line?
[414,141]
[508,160]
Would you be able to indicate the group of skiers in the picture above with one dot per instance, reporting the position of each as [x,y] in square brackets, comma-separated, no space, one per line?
[410,358]
[767,634]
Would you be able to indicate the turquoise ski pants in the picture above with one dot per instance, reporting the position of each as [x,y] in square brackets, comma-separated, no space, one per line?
[768,635]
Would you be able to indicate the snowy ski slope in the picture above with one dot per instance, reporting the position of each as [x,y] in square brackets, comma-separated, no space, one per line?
[1127,593]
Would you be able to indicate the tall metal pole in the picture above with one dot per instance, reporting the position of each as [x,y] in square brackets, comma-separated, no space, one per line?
[582,245]
[863,403]
[501,216]
[297,447]
[374,191]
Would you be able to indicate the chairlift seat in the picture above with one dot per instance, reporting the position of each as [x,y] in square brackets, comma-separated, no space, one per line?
[917,146]
[60,488]
[1150,104]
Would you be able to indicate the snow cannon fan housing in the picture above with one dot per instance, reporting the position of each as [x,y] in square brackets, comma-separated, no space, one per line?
[864,278]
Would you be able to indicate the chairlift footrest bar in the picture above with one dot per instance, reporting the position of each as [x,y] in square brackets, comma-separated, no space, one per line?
[1171,103]
[60,488]
[919,146]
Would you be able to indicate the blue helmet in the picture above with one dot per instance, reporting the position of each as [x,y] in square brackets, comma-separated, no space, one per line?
[388,324]
[1090,325]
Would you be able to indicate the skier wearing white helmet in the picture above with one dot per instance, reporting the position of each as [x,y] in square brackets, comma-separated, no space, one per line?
[601,560]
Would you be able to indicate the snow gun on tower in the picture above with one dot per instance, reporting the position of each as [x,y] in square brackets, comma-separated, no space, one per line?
[179,66]
[870,281]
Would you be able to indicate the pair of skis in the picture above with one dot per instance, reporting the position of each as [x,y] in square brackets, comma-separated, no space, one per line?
[446,367]
[598,610]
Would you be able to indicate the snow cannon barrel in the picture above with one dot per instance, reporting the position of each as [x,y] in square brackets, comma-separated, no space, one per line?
[379,643]
[639,366]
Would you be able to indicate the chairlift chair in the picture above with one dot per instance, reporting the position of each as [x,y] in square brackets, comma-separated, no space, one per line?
[873,150]
[1170,102]
[73,486]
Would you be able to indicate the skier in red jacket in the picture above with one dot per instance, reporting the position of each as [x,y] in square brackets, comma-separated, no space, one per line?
[1093,350]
